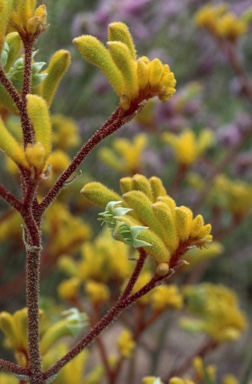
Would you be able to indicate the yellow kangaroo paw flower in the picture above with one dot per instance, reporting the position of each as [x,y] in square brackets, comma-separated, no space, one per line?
[11,147]
[183,220]
[157,188]
[156,69]
[142,207]
[5,11]
[142,73]
[141,183]
[38,112]
[98,194]
[118,31]
[126,184]
[122,57]
[8,327]
[167,220]
[57,67]
[15,44]
[96,53]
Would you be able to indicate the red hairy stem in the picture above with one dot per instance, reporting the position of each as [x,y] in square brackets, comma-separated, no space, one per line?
[32,241]
[116,121]
[32,298]
[135,274]
[11,90]
[7,366]
[10,199]
[26,88]
[28,133]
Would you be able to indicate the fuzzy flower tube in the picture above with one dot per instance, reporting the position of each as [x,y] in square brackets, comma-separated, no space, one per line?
[145,216]
[133,79]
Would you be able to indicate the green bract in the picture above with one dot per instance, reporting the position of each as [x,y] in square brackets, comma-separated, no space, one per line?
[112,211]
[16,73]
[128,234]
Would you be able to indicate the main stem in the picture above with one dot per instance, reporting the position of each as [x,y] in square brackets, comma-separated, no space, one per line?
[32,240]
[32,296]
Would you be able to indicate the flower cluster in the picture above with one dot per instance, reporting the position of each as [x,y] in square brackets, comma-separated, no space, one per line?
[202,374]
[23,16]
[126,343]
[133,79]
[217,310]
[14,328]
[188,148]
[161,298]
[233,195]
[221,22]
[125,155]
[66,231]
[153,221]
[103,261]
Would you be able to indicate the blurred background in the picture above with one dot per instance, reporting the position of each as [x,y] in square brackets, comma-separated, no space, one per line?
[210,96]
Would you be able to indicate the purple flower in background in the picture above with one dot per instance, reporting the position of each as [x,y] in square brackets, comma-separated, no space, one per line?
[231,134]
[144,17]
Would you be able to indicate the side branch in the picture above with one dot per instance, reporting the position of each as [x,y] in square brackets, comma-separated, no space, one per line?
[21,106]
[104,323]
[135,274]
[10,199]
[112,125]
[7,366]
[7,84]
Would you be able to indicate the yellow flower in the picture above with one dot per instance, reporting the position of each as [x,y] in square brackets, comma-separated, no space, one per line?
[59,161]
[153,221]
[73,371]
[188,148]
[229,379]
[207,16]
[142,280]
[126,343]
[217,310]
[204,372]
[166,297]
[6,378]
[97,292]
[177,380]
[36,156]
[26,19]
[68,289]
[234,195]
[220,22]
[125,155]
[64,132]
[151,380]
[133,79]
[15,329]
[104,260]
[230,27]
[68,231]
